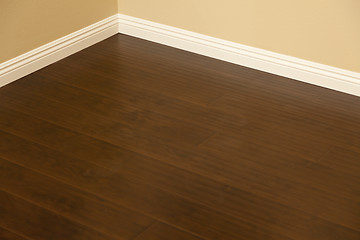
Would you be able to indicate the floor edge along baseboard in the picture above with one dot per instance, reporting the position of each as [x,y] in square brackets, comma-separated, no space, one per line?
[279,64]
[56,50]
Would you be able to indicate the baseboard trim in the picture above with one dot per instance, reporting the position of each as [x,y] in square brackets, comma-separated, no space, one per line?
[54,51]
[279,64]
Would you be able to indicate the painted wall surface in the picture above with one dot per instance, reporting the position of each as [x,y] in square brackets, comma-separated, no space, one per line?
[28,24]
[323,31]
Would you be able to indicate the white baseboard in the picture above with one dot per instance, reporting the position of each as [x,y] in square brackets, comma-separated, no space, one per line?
[54,51]
[279,64]
[291,67]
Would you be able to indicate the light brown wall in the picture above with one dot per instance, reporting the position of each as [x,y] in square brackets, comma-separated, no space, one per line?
[324,31]
[28,24]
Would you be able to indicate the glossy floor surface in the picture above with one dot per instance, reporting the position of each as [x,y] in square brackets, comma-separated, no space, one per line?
[130,139]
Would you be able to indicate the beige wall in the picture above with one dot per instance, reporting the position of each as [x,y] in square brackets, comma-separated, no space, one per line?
[28,24]
[324,31]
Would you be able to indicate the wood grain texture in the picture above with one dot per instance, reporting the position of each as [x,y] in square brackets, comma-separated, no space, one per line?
[133,140]
[70,202]
[9,235]
[26,218]
[160,231]
[129,191]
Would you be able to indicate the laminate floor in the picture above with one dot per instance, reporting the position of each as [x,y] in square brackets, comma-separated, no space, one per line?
[133,140]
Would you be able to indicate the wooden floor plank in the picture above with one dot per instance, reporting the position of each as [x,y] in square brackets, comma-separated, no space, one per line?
[38,223]
[131,192]
[70,202]
[85,121]
[179,82]
[160,231]
[343,159]
[124,93]
[9,235]
[262,154]
[282,189]
[129,129]
[323,124]
[207,72]
[151,178]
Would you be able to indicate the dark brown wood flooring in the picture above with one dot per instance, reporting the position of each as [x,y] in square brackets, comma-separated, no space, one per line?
[130,139]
